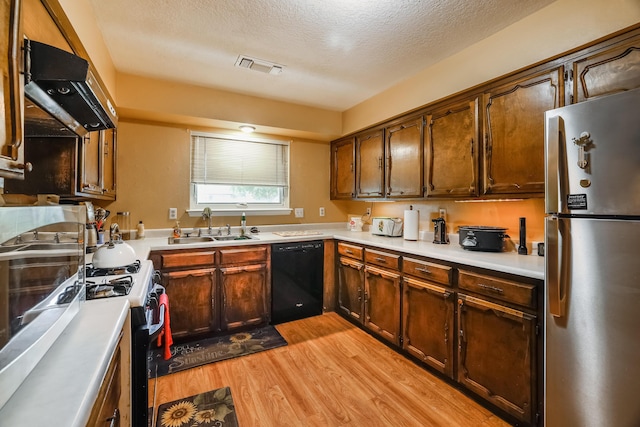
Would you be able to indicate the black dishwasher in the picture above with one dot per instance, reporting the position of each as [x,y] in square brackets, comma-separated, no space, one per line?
[296,280]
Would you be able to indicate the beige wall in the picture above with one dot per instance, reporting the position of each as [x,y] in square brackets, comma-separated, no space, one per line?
[153,176]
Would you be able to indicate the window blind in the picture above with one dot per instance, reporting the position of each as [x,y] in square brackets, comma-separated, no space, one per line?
[217,160]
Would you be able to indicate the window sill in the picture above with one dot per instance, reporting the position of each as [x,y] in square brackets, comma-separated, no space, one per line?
[238,212]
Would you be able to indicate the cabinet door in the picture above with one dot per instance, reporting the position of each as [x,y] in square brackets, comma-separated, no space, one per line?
[513,155]
[108,163]
[192,301]
[351,288]
[370,164]
[451,166]
[382,303]
[497,354]
[106,411]
[245,296]
[90,173]
[404,148]
[12,163]
[606,71]
[343,169]
[427,324]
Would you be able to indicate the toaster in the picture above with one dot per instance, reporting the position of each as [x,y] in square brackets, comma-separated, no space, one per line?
[391,227]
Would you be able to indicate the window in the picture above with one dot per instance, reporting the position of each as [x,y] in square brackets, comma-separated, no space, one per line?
[239,174]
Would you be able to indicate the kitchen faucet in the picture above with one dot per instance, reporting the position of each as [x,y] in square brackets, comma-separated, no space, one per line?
[206,214]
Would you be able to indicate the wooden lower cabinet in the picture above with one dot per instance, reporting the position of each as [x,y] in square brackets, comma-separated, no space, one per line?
[245,296]
[497,355]
[192,301]
[382,303]
[106,411]
[351,288]
[477,327]
[212,290]
[428,323]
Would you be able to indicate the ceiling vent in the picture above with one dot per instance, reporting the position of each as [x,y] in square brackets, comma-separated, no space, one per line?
[259,65]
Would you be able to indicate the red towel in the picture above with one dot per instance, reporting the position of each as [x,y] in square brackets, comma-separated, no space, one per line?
[166,330]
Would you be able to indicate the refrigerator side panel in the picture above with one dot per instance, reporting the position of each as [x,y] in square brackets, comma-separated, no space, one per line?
[592,349]
[598,156]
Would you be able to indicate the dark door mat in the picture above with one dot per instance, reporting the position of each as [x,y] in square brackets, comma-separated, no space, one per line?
[209,350]
[213,408]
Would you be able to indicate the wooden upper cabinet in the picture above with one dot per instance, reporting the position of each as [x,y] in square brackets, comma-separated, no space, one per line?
[109,162]
[404,161]
[370,164]
[451,156]
[343,169]
[90,163]
[606,71]
[513,157]
[12,163]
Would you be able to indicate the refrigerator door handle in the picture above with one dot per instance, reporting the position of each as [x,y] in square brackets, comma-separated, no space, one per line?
[553,139]
[553,259]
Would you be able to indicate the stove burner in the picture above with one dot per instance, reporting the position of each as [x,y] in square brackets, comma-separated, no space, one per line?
[113,288]
[92,271]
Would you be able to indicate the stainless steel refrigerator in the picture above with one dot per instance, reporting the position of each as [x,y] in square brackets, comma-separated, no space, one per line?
[592,244]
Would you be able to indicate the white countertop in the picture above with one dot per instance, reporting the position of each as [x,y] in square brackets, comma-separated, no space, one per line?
[531,266]
[62,389]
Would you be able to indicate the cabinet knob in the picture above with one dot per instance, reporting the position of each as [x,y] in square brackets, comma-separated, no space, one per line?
[28,167]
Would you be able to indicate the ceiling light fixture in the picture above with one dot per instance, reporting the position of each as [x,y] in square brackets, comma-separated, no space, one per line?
[247,128]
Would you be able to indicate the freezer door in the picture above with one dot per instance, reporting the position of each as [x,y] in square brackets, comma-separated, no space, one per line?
[592,344]
[592,157]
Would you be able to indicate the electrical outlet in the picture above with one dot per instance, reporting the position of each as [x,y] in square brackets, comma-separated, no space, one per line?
[368,211]
[321,211]
[173,213]
[442,212]
[299,212]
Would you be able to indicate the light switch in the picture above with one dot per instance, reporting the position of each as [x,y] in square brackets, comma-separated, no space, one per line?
[299,212]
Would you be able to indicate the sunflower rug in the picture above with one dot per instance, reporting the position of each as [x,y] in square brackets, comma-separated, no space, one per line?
[213,408]
[209,350]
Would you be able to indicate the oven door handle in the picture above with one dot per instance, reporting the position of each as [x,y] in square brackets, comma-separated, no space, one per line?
[155,328]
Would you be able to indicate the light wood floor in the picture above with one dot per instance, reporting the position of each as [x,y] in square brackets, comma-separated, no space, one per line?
[330,374]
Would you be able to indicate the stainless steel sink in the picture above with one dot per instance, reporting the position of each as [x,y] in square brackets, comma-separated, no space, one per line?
[233,237]
[49,246]
[182,240]
[199,239]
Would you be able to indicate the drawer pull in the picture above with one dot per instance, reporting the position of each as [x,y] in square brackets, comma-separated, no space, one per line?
[423,270]
[349,251]
[491,288]
[381,259]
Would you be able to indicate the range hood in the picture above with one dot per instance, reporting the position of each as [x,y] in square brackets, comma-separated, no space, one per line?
[61,84]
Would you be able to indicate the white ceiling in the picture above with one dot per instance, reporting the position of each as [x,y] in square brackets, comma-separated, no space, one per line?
[336,53]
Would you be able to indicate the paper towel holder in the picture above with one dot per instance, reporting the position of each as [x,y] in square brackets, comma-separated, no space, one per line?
[411,224]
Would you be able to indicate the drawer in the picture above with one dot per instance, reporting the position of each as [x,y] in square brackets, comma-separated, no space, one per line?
[350,251]
[244,255]
[187,259]
[426,270]
[382,259]
[506,290]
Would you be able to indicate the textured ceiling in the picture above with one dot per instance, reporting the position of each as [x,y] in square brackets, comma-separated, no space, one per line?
[336,53]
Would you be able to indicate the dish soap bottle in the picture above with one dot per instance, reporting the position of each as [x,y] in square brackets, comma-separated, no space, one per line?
[140,231]
[176,230]
[243,225]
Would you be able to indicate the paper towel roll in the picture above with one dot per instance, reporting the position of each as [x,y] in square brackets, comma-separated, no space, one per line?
[411,223]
